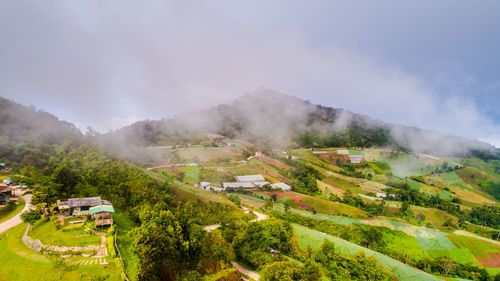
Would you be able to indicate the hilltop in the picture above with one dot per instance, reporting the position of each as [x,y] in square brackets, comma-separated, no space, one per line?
[270,117]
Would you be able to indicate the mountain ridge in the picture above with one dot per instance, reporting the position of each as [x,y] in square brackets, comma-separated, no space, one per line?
[268,116]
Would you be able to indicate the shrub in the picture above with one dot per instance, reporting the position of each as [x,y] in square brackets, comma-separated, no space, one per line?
[31,216]
[72,227]
[111,230]
[90,226]
[110,246]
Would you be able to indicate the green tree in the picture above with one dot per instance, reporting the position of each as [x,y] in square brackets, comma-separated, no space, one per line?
[31,216]
[420,218]
[283,271]
[311,271]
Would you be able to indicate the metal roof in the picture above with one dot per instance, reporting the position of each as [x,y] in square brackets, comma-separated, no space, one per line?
[80,202]
[281,185]
[238,184]
[250,178]
[100,209]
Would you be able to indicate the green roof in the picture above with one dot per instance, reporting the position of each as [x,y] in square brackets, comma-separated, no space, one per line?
[101,208]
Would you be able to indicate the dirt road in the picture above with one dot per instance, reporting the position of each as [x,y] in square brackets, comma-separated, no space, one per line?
[246,271]
[16,220]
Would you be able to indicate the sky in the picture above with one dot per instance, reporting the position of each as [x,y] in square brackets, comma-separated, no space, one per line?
[106,64]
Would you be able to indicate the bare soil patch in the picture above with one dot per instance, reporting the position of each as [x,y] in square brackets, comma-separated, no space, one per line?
[274,162]
[492,261]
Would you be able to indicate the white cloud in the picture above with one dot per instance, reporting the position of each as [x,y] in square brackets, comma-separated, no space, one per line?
[100,60]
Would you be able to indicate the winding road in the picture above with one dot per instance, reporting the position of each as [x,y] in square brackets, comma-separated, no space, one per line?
[16,220]
[240,268]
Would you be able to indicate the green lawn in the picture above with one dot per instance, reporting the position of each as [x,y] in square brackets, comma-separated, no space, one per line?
[48,234]
[7,213]
[124,225]
[20,263]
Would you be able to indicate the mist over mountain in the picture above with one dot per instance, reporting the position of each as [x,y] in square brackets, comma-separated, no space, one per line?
[19,123]
[269,117]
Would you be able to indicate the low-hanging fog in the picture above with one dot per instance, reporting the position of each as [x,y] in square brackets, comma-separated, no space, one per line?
[108,64]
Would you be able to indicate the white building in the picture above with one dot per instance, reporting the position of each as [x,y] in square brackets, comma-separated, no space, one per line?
[343,151]
[250,178]
[281,185]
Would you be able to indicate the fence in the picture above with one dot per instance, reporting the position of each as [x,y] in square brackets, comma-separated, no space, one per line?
[120,256]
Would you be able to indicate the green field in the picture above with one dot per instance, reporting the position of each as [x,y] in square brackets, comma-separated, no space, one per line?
[20,263]
[307,237]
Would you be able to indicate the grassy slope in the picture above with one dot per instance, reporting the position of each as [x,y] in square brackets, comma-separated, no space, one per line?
[125,241]
[21,263]
[307,237]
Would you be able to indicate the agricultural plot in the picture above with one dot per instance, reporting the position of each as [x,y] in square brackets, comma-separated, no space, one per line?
[326,189]
[371,186]
[306,237]
[405,165]
[306,202]
[340,183]
[206,154]
[434,216]
[255,166]
[427,239]
[251,201]
[487,254]
[451,178]
[343,220]
[356,152]
[463,190]
[491,167]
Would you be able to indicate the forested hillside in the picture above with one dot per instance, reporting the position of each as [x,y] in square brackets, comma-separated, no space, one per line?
[267,116]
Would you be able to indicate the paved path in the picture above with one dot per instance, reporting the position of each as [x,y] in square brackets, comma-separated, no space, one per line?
[246,271]
[211,227]
[260,217]
[16,220]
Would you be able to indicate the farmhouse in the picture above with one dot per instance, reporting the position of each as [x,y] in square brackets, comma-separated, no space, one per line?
[5,193]
[80,206]
[3,166]
[102,214]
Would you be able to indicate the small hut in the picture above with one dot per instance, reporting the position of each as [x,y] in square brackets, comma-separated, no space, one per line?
[102,215]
